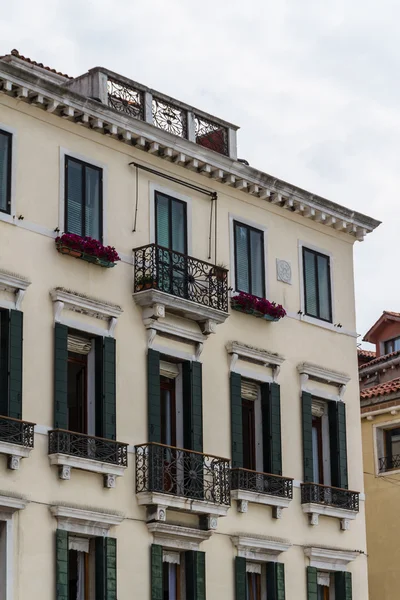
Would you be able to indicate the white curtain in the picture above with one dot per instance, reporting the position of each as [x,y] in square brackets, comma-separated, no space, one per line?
[80,590]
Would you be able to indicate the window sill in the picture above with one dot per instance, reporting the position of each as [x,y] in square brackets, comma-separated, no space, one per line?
[161,502]
[388,473]
[66,463]
[7,218]
[14,452]
[243,497]
[315,510]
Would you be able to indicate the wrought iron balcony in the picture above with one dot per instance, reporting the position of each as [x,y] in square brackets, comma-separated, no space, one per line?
[166,114]
[90,447]
[181,276]
[389,463]
[14,431]
[262,483]
[314,493]
[182,473]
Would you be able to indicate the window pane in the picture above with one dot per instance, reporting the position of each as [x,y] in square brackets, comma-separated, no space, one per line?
[74,197]
[242,259]
[389,347]
[323,288]
[316,456]
[310,283]
[93,203]
[396,344]
[178,220]
[5,151]
[162,225]
[257,271]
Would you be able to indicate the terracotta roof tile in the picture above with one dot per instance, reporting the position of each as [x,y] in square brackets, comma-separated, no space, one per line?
[366,353]
[36,64]
[382,389]
[380,359]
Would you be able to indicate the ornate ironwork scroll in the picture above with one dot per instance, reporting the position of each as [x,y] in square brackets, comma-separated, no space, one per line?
[330,496]
[88,446]
[389,463]
[183,473]
[125,98]
[180,275]
[262,483]
[169,117]
[16,432]
[211,135]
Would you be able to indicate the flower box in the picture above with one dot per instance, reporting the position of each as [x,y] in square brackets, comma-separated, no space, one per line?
[258,307]
[87,249]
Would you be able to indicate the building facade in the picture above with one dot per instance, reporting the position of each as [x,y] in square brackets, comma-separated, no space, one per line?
[380,404]
[167,433]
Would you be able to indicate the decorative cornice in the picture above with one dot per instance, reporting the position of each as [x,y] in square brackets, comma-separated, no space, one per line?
[82,520]
[315,372]
[66,300]
[10,504]
[14,284]
[259,548]
[254,355]
[177,537]
[332,559]
[62,101]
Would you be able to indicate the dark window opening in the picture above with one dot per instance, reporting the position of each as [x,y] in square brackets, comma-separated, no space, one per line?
[249,260]
[317,285]
[392,443]
[78,575]
[249,445]
[318,461]
[392,345]
[77,392]
[171,581]
[168,412]
[5,171]
[83,199]
[253,586]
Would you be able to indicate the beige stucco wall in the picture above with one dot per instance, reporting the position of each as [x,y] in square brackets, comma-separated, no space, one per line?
[28,249]
[382,502]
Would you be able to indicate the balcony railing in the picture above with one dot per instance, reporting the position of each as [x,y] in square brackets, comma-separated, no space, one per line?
[262,483]
[14,431]
[88,446]
[389,463]
[182,473]
[180,275]
[167,115]
[315,493]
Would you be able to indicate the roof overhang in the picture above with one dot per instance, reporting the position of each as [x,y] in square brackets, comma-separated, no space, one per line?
[371,335]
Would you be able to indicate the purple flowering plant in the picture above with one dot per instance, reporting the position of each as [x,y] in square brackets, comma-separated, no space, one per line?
[253,304]
[88,245]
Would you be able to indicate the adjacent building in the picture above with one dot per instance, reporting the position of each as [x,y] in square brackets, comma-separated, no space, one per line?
[169,431]
[380,416]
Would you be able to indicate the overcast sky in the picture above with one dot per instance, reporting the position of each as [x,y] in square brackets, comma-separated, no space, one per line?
[314,88]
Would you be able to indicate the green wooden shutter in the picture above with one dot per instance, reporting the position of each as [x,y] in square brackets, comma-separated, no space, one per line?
[105,388]
[275,581]
[240,578]
[195,572]
[106,568]
[60,376]
[307,436]
[192,406]
[156,572]
[62,565]
[4,336]
[5,170]
[338,444]
[343,586]
[15,364]
[271,425]
[153,396]
[236,420]
[312,585]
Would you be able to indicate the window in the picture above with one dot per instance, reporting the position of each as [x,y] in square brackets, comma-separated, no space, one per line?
[254,585]
[317,285]
[81,383]
[321,442]
[249,260]
[251,414]
[80,568]
[392,345]
[392,446]
[172,584]
[325,586]
[5,171]
[83,198]
[171,223]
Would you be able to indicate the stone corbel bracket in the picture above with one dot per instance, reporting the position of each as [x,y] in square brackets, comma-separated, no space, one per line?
[13,284]
[310,372]
[65,300]
[258,356]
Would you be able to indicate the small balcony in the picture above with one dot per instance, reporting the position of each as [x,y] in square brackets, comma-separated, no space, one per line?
[69,449]
[178,479]
[16,440]
[389,463]
[261,488]
[330,501]
[183,285]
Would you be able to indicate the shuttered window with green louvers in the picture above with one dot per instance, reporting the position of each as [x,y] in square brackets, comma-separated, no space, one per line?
[312,583]
[106,568]
[343,586]
[271,424]
[11,332]
[62,592]
[195,575]
[5,171]
[249,260]
[156,576]
[275,581]
[308,460]
[236,420]
[240,578]
[338,444]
